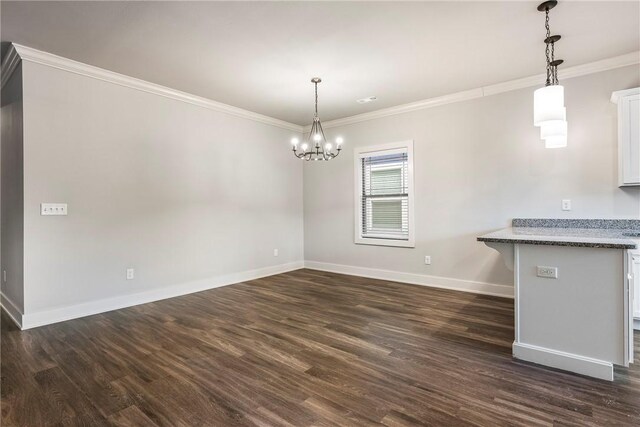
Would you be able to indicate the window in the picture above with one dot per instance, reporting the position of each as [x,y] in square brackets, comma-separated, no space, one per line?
[384,195]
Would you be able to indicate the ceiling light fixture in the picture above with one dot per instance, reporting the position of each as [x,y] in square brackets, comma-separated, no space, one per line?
[366,100]
[317,147]
[549,112]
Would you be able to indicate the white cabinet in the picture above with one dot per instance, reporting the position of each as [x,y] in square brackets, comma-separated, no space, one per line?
[628,136]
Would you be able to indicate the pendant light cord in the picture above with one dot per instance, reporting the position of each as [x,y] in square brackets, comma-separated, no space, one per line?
[546,51]
[554,68]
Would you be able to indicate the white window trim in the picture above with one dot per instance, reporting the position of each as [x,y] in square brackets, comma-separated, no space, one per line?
[358,152]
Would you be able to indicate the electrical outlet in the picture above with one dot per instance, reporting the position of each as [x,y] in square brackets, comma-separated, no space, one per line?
[275,252]
[427,260]
[53,209]
[131,273]
[548,272]
[4,276]
[566,205]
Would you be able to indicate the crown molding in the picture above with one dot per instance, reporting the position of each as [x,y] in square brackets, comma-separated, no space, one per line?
[9,65]
[568,73]
[33,55]
[404,108]
[18,52]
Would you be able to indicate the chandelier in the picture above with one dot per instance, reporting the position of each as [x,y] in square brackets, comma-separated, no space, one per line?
[317,147]
[549,112]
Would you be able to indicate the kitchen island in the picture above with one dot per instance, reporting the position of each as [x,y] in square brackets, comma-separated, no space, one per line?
[573,284]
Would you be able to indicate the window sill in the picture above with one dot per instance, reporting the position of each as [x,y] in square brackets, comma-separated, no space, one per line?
[385,242]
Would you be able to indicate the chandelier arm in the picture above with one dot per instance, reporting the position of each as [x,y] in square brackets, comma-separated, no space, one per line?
[312,131]
[324,138]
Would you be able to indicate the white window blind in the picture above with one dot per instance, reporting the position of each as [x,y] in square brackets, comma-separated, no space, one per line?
[385,195]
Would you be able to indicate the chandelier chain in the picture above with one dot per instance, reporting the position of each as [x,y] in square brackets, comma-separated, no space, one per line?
[316,84]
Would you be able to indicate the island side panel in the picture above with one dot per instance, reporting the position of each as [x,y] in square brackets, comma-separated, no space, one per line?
[582,311]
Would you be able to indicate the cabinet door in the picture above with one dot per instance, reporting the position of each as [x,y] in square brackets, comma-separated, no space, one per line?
[636,284]
[629,139]
[629,283]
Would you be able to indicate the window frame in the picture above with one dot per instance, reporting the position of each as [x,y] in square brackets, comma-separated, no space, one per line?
[360,152]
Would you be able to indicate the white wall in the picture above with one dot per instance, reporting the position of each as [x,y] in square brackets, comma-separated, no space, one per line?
[181,193]
[191,197]
[12,196]
[478,164]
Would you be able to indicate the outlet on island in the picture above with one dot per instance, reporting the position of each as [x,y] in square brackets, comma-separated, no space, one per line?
[548,272]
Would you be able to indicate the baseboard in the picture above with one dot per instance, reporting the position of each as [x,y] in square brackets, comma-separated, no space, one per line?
[33,320]
[11,309]
[565,361]
[636,324]
[415,279]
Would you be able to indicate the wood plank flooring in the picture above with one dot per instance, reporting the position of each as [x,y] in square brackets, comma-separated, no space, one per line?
[306,348]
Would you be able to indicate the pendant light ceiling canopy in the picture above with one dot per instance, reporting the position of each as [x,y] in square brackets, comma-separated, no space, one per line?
[549,112]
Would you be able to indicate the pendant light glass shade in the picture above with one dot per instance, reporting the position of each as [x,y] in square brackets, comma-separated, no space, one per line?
[548,104]
[552,128]
[554,133]
[556,141]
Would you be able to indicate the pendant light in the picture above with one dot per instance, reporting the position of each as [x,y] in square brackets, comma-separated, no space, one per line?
[549,112]
[317,147]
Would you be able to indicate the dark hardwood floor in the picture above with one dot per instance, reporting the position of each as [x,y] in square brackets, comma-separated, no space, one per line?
[299,349]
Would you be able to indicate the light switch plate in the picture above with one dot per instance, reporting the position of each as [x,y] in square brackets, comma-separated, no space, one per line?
[548,272]
[53,209]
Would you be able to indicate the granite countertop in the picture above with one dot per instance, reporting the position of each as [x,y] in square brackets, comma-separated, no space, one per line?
[578,233]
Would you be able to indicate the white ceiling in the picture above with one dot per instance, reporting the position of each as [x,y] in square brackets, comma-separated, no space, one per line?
[260,56]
